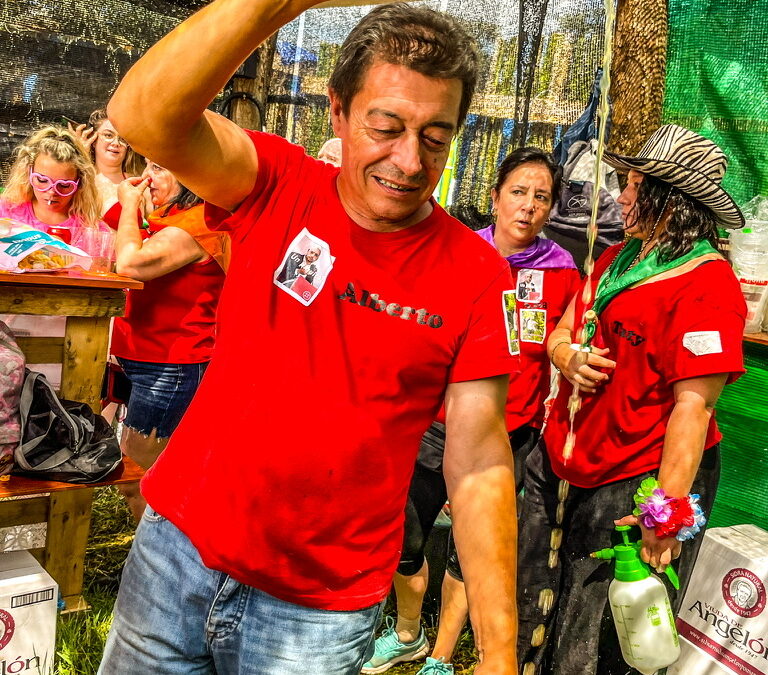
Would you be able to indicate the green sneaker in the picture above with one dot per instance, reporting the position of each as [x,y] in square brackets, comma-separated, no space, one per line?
[436,667]
[388,650]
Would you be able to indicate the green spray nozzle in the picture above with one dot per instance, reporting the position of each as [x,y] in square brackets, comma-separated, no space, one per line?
[629,566]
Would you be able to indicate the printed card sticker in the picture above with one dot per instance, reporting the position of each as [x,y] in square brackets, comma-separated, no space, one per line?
[703,342]
[533,325]
[530,285]
[304,268]
[509,305]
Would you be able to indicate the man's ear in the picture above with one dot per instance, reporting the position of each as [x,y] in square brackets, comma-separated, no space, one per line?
[336,112]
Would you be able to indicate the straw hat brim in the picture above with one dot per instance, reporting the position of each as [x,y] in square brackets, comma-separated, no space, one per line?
[693,183]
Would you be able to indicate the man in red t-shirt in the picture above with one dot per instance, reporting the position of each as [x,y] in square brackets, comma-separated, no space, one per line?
[275,517]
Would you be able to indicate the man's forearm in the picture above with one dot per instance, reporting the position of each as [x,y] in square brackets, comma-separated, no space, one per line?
[164,95]
[483,507]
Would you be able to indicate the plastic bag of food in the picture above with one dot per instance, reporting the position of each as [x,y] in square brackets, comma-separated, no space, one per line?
[25,249]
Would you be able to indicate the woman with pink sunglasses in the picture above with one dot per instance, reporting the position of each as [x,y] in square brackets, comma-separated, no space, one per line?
[52,187]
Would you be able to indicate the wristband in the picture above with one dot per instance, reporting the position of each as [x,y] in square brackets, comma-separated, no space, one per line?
[681,518]
[557,344]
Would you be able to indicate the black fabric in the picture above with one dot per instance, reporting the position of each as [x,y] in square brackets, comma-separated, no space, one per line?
[62,440]
[426,497]
[579,634]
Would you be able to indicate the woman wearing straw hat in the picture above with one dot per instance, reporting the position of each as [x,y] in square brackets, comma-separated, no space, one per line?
[664,339]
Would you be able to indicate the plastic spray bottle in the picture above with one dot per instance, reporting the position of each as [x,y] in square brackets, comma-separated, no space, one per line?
[641,610]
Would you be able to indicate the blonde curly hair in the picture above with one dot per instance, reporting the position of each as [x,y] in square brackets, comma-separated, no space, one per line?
[63,146]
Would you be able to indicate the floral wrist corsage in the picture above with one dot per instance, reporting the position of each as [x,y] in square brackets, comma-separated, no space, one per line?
[681,518]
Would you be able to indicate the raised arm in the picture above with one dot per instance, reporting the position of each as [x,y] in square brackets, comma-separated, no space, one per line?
[168,250]
[160,106]
[479,475]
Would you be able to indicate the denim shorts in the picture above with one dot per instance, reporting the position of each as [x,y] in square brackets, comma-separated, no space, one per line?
[174,616]
[160,394]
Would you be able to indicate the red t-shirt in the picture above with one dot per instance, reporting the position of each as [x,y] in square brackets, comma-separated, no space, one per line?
[173,318]
[537,315]
[290,470]
[658,333]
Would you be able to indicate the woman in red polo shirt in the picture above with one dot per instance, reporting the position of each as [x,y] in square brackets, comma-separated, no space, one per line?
[666,337]
[166,338]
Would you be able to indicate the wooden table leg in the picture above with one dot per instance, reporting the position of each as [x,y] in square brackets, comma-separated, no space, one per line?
[86,341]
[69,522]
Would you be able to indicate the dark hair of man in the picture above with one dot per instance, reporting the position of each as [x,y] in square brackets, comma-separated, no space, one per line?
[429,42]
[688,219]
[529,155]
[183,200]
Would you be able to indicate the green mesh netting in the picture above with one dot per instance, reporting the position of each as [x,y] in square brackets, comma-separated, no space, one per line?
[742,414]
[717,83]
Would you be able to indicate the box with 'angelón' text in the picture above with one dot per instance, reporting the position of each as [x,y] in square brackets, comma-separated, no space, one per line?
[723,618]
[28,598]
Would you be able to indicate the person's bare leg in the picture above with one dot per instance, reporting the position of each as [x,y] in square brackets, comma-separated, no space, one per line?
[410,593]
[453,615]
[109,412]
[143,450]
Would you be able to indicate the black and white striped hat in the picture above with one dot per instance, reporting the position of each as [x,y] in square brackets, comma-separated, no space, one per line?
[688,161]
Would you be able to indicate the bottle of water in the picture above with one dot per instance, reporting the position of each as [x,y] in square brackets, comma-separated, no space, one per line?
[641,610]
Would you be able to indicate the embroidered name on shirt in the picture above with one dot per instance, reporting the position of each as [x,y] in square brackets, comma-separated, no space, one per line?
[374,302]
[630,335]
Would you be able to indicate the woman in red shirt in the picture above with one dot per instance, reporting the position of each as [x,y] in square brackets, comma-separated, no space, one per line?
[166,338]
[665,338]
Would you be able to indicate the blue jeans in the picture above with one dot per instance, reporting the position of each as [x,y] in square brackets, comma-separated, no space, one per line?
[160,394]
[174,616]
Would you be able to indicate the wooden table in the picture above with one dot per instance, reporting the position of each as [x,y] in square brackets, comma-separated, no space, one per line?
[88,302]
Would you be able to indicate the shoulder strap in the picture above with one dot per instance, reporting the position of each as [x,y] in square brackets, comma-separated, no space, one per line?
[25,405]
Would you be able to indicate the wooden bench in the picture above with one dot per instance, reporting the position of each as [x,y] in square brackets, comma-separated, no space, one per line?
[67,512]
[89,302]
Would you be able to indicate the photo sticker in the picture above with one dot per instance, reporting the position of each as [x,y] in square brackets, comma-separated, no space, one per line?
[533,325]
[703,342]
[304,268]
[530,285]
[509,305]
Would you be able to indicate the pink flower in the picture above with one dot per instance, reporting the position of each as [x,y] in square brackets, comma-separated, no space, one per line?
[655,509]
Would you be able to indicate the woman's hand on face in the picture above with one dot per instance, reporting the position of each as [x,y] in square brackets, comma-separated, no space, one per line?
[579,368]
[85,133]
[658,553]
[130,193]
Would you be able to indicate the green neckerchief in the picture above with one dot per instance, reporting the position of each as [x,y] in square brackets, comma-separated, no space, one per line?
[616,278]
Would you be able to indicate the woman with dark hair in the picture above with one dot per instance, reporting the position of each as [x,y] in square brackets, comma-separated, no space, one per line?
[667,309]
[526,187]
[166,338]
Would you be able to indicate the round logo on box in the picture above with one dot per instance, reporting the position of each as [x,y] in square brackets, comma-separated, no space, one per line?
[744,592]
[8,626]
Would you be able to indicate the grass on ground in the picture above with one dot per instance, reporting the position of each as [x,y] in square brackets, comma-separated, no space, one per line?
[81,636]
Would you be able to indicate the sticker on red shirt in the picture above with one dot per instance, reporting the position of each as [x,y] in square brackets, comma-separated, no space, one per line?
[530,285]
[509,305]
[305,267]
[533,325]
[703,342]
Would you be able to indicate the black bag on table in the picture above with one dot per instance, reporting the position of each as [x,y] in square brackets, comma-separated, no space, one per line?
[62,440]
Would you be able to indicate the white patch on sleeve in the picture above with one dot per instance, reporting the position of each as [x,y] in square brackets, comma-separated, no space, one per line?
[703,342]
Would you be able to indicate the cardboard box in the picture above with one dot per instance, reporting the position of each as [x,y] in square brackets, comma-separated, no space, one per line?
[28,599]
[723,621]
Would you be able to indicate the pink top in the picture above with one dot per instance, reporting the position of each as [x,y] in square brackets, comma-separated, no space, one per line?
[24,213]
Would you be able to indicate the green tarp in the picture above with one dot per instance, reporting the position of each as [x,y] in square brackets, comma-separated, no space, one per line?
[717,83]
